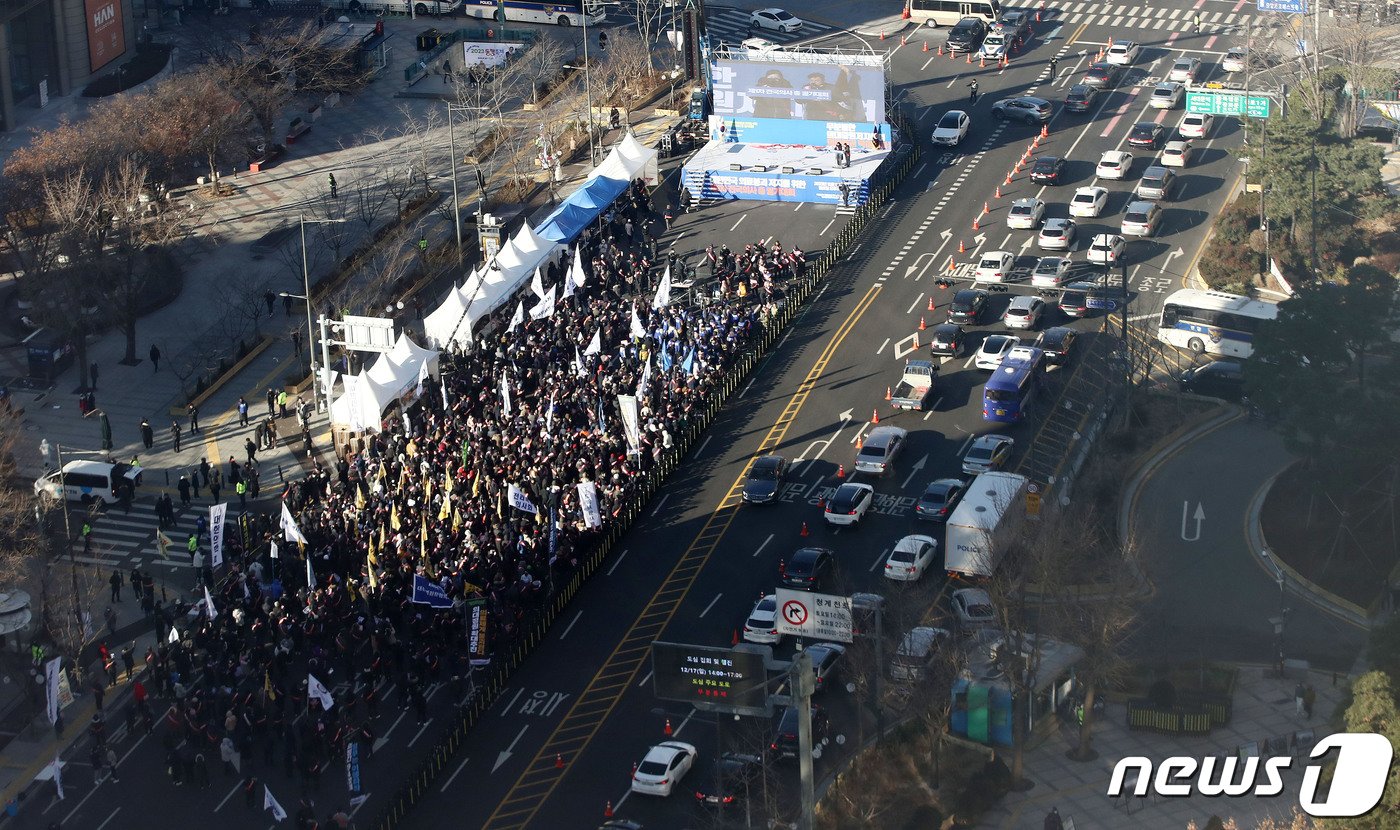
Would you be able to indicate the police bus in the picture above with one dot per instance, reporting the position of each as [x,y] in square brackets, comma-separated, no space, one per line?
[1012,388]
[556,12]
[1213,322]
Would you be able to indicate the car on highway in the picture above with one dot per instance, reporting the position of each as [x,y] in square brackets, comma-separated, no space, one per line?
[826,662]
[994,347]
[880,449]
[1088,202]
[1025,214]
[764,480]
[1058,234]
[1081,98]
[1194,125]
[762,624]
[1220,379]
[910,558]
[918,650]
[1157,183]
[994,266]
[1048,170]
[994,45]
[1123,53]
[808,569]
[848,505]
[1103,75]
[966,35]
[987,453]
[1025,108]
[952,128]
[1051,271]
[1057,342]
[1177,154]
[1106,248]
[1236,59]
[1185,70]
[775,20]
[938,499]
[663,767]
[1166,95]
[1114,164]
[1015,23]
[1142,218]
[947,340]
[736,773]
[968,306]
[972,607]
[784,743]
[1024,312]
[1148,134]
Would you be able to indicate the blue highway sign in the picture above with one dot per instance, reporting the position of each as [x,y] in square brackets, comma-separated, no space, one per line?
[1102,303]
[1285,6]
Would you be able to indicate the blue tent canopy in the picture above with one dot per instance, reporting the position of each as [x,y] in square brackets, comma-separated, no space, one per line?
[580,208]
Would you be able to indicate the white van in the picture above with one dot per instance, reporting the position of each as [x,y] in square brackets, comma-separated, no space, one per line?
[88,481]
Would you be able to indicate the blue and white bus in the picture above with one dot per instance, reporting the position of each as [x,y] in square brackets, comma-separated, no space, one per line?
[1012,388]
[556,12]
[1213,322]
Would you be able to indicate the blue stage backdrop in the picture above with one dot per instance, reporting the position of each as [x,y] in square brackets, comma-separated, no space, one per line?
[828,88]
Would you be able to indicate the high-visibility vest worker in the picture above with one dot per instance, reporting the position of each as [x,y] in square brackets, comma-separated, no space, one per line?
[193,544]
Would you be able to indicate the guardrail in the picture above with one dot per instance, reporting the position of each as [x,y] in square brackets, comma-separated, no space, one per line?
[889,177]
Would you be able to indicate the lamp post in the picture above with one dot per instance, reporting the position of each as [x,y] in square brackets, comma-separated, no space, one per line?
[68,525]
[456,202]
[588,91]
[306,286]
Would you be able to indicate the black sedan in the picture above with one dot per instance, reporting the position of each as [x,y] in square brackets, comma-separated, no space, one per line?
[939,499]
[1147,134]
[947,340]
[809,569]
[1081,98]
[729,780]
[765,478]
[1048,170]
[1057,343]
[1103,75]
[968,306]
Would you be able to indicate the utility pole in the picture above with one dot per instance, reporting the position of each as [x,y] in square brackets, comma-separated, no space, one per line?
[803,683]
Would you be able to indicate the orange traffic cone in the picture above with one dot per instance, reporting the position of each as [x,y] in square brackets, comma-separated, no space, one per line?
[986,208]
[1008,180]
[1035,142]
[889,395]
[1110,43]
[805,532]
[735,642]
[904,15]
[981,61]
[969,57]
[997,194]
[975,225]
[860,443]
[926,46]
[1037,15]
[903,40]
[930,303]
[916,340]
[940,50]
[875,416]
[558,761]
[951,267]
[882,36]
[840,470]
[922,325]
[668,727]
[962,249]
[1044,131]
[607,811]
[821,504]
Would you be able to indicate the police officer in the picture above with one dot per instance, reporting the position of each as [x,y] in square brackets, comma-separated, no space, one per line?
[1054,65]
[242,489]
[972,91]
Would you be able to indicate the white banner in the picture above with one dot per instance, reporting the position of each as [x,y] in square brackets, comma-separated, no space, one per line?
[517,318]
[588,503]
[217,512]
[663,291]
[520,501]
[545,307]
[317,689]
[630,420]
[270,803]
[51,672]
[638,331]
[289,526]
[488,54]
[505,396]
[209,603]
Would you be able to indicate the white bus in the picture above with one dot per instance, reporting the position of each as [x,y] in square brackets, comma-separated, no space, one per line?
[949,12]
[557,12]
[1212,322]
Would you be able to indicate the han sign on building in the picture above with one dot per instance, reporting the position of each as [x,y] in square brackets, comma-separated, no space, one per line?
[106,35]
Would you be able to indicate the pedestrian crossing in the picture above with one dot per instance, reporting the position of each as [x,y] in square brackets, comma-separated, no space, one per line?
[122,540]
[1133,17]
[732,26]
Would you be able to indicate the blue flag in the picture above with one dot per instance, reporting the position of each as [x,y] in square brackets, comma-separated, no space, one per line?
[665,359]
[429,593]
[688,365]
[602,421]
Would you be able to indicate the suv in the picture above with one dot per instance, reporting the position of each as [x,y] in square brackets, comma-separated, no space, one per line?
[1142,219]
[967,35]
[809,569]
[1157,184]
[1221,379]
[784,743]
[1027,109]
[968,306]
[1081,98]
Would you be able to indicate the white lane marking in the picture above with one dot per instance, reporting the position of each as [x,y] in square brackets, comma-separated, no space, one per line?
[645,680]
[571,624]
[879,559]
[703,445]
[882,346]
[712,604]
[764,545]
[614,566]
[453,776]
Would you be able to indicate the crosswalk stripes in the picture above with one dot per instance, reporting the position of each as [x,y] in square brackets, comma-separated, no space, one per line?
[732,26]
[121,539]
[1132,18]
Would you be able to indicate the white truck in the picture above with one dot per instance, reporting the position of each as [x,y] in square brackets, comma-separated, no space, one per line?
[993,507]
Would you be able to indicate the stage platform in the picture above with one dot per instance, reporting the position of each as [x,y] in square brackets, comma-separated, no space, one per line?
[780,173]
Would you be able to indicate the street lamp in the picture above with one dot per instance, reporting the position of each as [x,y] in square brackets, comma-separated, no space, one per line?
[310,329]
[456,202]
[67,520]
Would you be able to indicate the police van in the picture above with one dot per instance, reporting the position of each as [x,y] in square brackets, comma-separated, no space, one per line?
[89,481]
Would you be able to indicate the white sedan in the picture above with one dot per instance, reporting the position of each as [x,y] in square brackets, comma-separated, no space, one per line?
[1058,234]
[1088,202]
[1166,95]
[1235,59]
[1106,248]
[1185,70]
[762,625]
[993,349]
[1177,154]
[1051,271]
[974,608]
[911,556]
[1114,164]
[995,266]
[663,767]
[987,453]
[952,128]
[1194,125]
[775,19]
[1123,53]
[1025,214]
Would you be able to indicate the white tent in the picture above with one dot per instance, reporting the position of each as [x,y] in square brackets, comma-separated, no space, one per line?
[641,159]
[439,325]
[395,373]
[362,405]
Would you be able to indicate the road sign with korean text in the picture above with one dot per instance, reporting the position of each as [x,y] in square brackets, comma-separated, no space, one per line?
[1229,103]
[1284,6]
[814,616]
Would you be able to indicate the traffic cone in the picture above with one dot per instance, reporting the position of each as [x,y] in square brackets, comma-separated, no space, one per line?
[952,266]
[940,50]
[1035,142]
[805,532]
[904,15]
[974,223]
[821,504]
[986,208]
[930,300]
[1110,43]
[860,443]
[1005,61]
[874,416]
[903,40]
[882,36]
[926,46]
[558,761]
[607,811]
[1037,15]
[981,61]
[668,727]
[962,249]
[922,325]
[840,470]
[1008,180]
[969,57]
[889,395]
[1044,131]
[916,340]
[735,642]
[997,194]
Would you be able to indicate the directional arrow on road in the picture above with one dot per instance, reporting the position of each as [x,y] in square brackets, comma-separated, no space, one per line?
[913,471]
[846,416]
[502,757]
[980,239]
[1171,255]
[1027,243]
[1199,516]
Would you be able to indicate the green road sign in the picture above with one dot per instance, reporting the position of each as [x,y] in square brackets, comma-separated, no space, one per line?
[1228,103]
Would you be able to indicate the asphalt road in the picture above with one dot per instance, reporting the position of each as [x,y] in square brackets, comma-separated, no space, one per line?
[695,563]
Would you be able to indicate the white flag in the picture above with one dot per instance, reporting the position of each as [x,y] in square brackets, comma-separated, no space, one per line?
[545,307]
[209,603]
[576,272]
[317,689]
[537,283]
[663,291]
[637,330]
[173,637]
[595,346]
[588,503]
[549,416]
[270,803]
[578,364]
[646,379]
[217,513]
[51,672]
[57,768]
[630,421]
[517,318]
[520,501]
[569,285]
[310,574]
[289,526]
[272,549]
[505,396]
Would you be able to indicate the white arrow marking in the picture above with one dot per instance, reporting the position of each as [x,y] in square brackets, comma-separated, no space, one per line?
[1027,243]
[909,270]
[504,756]
[1199,516]
[846,416]
[1173,255]
[913,471]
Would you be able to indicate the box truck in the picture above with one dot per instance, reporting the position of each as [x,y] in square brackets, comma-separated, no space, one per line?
[992,508]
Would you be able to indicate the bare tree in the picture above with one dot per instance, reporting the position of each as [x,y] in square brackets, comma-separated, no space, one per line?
[647,14]
[368,200]
[1355,46]
[330,231]
[397,182]
[421,146]
[541,65]
[239,304]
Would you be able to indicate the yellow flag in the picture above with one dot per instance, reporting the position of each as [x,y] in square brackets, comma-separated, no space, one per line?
[423,538]
[382,540]
[373,579]
[267,685]
[427,489]
[447,479]
[476,484]
[456,520]
[359,497]
[500,504]
[394,517]
[446,508]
